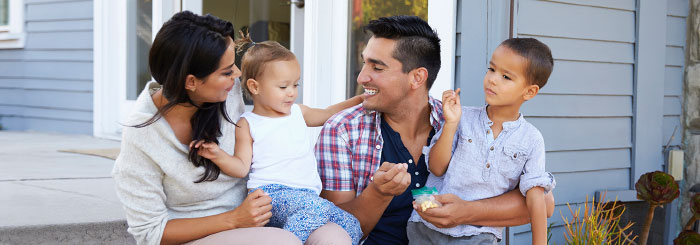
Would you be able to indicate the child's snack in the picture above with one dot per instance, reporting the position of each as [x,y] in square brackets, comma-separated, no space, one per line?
[425,199]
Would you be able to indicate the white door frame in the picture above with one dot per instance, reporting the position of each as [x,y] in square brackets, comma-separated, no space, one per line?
[109,65]
[442,16]
[110,105]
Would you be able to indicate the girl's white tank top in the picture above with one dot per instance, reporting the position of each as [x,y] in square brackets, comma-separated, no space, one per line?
[282,151]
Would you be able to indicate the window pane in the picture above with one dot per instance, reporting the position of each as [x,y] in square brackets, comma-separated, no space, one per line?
[362,11]
[4,12]
[264,19]
[139,42]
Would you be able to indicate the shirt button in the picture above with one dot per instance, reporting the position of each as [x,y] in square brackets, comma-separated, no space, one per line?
[417,185]
[410,160]
[470,140]
[488,131]
[417,173]
[492,148]
[378,147]
[488,165]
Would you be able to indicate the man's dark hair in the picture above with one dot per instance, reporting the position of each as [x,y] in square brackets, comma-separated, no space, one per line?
[538,56]
[417,45]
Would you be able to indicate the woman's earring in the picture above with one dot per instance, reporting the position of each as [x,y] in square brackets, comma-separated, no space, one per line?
[192,90]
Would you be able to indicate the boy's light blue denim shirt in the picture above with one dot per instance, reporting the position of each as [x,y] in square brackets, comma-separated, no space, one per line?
[481,168]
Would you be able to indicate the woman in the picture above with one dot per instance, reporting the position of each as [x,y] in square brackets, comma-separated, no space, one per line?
[171,195]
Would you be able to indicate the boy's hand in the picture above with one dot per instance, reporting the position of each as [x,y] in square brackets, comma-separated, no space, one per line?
[208,150]
[451,107]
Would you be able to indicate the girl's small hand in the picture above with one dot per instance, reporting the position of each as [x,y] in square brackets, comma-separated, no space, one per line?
[254,211]
[208,150]
[451,107]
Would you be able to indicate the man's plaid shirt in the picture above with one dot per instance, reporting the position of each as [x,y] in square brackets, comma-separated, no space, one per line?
[349,148]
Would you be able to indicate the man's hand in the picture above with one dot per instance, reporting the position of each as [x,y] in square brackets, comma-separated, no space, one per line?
[442,217]
[391,179]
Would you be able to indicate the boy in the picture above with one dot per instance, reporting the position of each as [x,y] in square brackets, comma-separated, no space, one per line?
[492,149]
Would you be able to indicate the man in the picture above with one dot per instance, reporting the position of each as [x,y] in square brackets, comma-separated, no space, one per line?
[358,147]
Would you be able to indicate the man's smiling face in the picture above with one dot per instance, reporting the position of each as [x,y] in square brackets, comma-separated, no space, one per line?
[382,78]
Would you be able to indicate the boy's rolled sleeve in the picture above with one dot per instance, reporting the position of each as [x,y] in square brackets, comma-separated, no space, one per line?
[534,173]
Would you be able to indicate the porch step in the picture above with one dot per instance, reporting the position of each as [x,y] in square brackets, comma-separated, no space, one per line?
[111,232]
[53,197]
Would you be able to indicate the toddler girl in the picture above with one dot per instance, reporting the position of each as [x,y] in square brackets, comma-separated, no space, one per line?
[272,143]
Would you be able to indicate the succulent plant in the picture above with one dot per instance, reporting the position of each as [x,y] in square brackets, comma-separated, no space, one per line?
[695,205]
[695,208]
[657,188]
[687,238]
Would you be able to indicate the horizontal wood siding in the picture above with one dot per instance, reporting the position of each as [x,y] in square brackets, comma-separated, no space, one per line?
[47,85]
[677,13]
[585,112]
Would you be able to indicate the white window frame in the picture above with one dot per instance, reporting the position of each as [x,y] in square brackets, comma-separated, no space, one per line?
[12,35]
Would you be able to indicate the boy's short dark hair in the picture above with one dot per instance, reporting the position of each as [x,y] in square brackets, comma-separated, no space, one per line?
[417,44]
[538,55]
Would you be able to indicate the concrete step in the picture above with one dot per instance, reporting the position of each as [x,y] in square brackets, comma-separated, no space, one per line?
[112,232]
[53,197]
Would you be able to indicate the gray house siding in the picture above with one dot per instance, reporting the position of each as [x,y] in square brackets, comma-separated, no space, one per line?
[603,91]
[585,112]
[47,85]
[677,12]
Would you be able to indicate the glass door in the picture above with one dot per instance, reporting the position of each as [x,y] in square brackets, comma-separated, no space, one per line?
[361,12]
[124,31]
[276,20]
[139,36]
[440,14]
[264,19]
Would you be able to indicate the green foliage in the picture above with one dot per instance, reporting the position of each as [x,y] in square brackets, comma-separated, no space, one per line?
[657,188]
[549,233]
[598,224]
[687,238]
[695,205]
[374,9]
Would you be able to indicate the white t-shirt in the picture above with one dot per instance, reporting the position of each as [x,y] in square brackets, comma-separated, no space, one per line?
[282,152]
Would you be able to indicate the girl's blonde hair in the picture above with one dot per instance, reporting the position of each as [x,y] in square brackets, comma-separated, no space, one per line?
[257,55]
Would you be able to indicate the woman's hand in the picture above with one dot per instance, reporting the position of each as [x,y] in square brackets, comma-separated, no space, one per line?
[208,150]
[451,107]
[255,211]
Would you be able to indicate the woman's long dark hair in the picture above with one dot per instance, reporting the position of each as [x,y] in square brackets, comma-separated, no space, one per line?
[191,44]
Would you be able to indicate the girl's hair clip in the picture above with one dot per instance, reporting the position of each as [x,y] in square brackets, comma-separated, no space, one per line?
[244,42]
